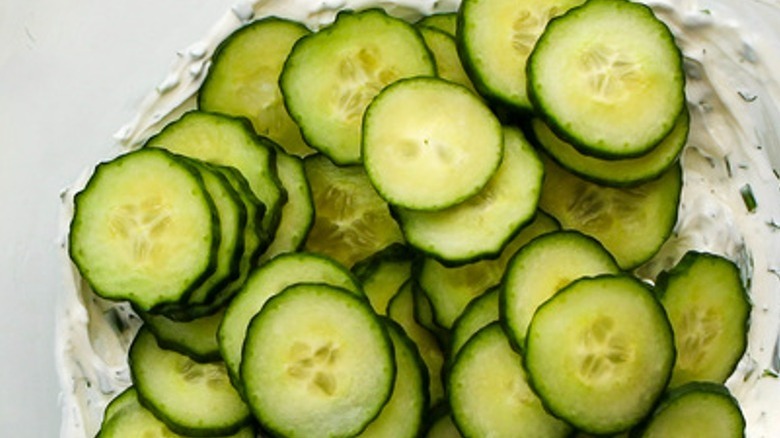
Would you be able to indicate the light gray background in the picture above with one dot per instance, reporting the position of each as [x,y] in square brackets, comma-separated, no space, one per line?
[71,73]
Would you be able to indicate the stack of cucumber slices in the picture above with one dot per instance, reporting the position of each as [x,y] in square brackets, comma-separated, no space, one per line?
[396,229]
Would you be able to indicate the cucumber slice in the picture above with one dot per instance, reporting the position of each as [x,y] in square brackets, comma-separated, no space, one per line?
[131,236]
[330,76]
[600,352]
[255,242]
[443,427]
[297,214]
[191,398]
[127,397]
[623,172]
[446,22]
[243,80]
[404,413]
[126,417]
[317,362]
[480,312]
[401,310]
[481,226]
[228,141]
[413,154]
[709,309]
[489,393]
[543,267]
[495,38]
[265,282]
[696,409]
[608,78]
[232,222]
[451,288]
[196,338]
[445,54]
[631,222]
[382,274]
[351,220]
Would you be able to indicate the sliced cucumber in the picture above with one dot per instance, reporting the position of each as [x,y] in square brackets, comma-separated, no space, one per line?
[351,220]
[297,214]
[623,172]
[445,53]
[481,226]
[228,141]
[128,397]
[443,427]
[404,413]
[191,398]
[382,274]
[495,39]
[709,309]
[196,338]
[647,213]
[480,312]
[697,409]
[126,417]
[317,362]
[330,76]
[132,231]
[608,78]
[444,21]
[265,282]
[489,393]
[600,352]
[243,80]
[543,267]
[450,289]
[401,310]
[232,223]
[414,156]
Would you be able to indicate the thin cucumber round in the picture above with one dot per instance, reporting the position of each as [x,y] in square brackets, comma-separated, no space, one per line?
[445,53]
[404,413]
[297,214]
[709,309]
[446,22]
[196,338]
[228,141]
[401,310]
[495,38]
[127,417]
[451,288]
[480,312]
[489,394]
[243,80]
[600,352]
[540,269]
[351,221]
[383,273]
[696,409]
[191,398]
[607,76]
[429,143]
[623,172]
[266,281]
[317,362]
[631,222]
[481,226]
[330,76]
[132,231]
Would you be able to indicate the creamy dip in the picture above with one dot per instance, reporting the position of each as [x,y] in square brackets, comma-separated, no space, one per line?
[729,161]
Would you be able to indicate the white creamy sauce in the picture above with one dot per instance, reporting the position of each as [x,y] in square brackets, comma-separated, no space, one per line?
[732,148]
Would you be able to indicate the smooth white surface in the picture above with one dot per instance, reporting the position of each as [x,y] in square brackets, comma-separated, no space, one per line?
[71,74]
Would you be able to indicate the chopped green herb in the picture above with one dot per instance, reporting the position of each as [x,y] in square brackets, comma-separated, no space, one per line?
[747,196]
